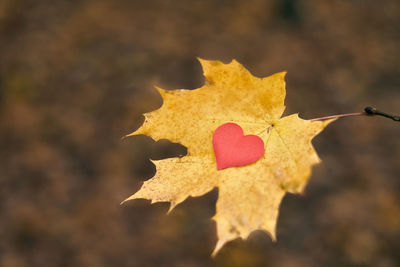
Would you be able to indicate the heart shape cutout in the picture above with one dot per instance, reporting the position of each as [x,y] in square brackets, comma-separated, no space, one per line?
[232,148]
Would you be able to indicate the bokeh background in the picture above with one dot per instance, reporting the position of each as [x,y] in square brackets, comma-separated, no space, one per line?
[75,76]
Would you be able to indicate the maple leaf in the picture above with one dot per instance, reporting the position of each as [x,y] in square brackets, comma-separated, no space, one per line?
[248,196]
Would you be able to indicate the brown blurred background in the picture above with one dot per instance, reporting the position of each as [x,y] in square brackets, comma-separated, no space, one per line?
[75,76]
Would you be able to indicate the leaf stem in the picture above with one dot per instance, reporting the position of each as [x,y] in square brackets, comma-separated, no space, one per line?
[368,111]
[338,116]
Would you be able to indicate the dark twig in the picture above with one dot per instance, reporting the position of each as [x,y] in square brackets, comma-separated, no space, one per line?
[373,111]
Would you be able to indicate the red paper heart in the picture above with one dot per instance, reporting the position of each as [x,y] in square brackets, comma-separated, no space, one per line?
[233,148]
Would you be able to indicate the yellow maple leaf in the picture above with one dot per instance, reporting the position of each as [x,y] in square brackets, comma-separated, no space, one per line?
[249,196]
